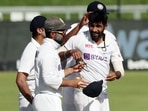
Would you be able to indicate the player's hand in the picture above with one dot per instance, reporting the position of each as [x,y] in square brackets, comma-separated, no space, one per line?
[84,20]
[76,54]
[74,69]
[111,76]
[78,67]
[79,83]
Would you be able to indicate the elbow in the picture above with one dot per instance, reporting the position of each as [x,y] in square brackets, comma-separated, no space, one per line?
[20,79]
[17,81]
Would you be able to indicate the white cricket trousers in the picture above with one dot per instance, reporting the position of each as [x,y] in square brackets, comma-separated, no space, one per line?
[47,102]
[85,103]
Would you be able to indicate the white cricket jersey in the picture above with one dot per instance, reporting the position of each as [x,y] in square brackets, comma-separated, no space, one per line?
[96,57]
[26,64]
[70,60]
[49,73]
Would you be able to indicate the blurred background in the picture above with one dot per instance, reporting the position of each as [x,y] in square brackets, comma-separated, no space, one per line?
[128,20]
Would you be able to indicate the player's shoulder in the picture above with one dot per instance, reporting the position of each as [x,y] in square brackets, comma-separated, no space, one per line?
[110,38]
[72,26]
[83,34]
[29,46]
[84,28]
[109,35]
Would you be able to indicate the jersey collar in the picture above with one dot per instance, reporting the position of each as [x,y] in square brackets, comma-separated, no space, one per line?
[35,42]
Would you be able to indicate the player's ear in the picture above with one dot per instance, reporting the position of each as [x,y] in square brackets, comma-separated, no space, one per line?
[39,30]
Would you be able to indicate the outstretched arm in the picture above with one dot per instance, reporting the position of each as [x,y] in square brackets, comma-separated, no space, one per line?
[74,31]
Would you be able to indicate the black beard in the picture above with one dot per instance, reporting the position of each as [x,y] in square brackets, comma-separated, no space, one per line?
[96,38]
[59,42]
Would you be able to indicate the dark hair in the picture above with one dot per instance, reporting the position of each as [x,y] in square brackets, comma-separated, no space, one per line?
[34,33]
[37,22]
[98,17]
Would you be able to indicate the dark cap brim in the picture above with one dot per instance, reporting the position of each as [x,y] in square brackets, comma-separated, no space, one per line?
[65,27]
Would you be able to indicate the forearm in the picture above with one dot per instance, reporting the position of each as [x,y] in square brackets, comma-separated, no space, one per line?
[66,83]
[118,69]
[24,89]
[75,83]
[68,71]
[23,86]
[65,54]
[71,33]
[74,69]
[62,53]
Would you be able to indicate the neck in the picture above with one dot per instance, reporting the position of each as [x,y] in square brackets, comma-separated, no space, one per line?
[99,41]
[39,39]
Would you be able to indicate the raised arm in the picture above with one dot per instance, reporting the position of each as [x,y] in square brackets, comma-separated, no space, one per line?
[75,30]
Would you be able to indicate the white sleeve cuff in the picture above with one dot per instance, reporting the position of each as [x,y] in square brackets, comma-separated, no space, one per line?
[118,66]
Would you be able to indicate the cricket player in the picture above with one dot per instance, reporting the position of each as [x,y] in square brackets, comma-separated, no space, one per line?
[25,79]
[98,51]
[49,72]
[68,93]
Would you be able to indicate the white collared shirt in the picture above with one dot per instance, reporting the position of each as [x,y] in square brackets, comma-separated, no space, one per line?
[49,73]
[26,64]
[95,56]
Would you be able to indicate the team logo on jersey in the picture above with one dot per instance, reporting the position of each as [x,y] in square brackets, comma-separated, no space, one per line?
[88,56]
[88,45]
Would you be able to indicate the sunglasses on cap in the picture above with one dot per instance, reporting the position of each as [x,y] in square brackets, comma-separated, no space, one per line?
[59,32]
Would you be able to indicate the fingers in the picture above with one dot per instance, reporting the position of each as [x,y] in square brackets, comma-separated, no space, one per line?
[76,54]
[81,83]
[84,20]
[79,65]
[111,77]
[78,78]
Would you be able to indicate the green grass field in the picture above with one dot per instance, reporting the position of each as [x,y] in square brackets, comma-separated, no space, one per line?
[127,94]
[66,2]
[112,15]
[8,92]
[130,93]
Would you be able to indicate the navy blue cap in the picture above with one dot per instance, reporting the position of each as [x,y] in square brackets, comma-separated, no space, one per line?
[93,89]
[97,6]
[37,22]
